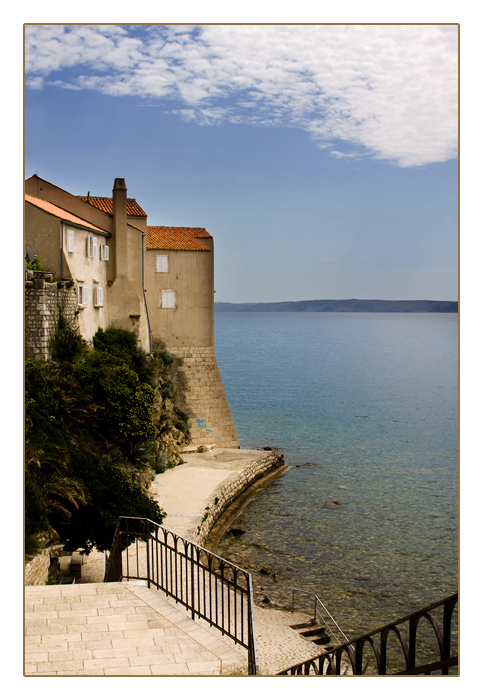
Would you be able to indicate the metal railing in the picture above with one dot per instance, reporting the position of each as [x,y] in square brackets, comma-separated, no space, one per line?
[351,658]
[211,587]
[321,616]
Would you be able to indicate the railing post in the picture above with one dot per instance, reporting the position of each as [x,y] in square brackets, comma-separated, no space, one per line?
[192,585]
[147,556]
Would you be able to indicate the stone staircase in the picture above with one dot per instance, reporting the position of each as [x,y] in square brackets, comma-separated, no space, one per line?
[120,629]
[314,632]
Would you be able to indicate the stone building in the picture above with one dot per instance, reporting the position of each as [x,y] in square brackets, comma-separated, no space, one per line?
[154,280]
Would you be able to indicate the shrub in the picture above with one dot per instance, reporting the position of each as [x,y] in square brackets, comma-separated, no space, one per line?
[36,264]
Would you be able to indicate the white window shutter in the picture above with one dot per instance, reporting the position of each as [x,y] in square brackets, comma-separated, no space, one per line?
[161,263]
[94,247]
[70,240]
[89,246]
[104,252]
[99,296]
[85,295]
[168,299]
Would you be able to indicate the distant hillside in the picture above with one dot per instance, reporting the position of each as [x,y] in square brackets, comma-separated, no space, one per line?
[347,305]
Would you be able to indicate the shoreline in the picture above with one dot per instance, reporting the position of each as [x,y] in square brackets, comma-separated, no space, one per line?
[202,496]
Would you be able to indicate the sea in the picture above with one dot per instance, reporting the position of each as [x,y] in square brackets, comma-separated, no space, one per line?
[364,407]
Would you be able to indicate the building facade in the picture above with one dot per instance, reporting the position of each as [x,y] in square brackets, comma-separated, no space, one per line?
[154,280]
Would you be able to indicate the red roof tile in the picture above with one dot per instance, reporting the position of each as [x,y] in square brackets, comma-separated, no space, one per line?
[176,238]
[105,204]
[61,213]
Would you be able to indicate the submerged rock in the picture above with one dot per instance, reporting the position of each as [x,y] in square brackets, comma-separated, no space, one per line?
[236,531]
[332,504]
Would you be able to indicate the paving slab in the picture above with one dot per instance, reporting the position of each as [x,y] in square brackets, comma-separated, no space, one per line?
[152,636]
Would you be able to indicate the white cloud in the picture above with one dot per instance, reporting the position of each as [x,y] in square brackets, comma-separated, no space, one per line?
[390,90]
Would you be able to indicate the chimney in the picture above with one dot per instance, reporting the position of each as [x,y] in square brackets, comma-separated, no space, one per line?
[119,211]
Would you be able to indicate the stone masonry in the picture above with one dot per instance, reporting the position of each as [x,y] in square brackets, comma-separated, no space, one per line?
[210,418]
[43,301]
[37,569]
[232,489]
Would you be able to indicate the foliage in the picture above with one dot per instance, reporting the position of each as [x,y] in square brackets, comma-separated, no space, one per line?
[66,343]
[89,435]
[36,264]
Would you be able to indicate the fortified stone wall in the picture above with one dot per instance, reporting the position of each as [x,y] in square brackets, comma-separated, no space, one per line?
[210,418]
[231,490]
[43,302]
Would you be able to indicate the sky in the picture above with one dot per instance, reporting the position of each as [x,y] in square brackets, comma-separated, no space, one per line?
[323,159]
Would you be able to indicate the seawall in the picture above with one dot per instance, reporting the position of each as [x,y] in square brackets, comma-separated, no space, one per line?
[232,495]
[203,494]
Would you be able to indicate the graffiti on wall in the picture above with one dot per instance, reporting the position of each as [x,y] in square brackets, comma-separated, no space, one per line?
[201,423]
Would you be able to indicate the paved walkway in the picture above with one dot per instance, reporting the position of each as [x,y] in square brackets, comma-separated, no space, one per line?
[93,628]
[120,629]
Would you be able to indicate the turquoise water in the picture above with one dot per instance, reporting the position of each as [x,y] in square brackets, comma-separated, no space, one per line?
[365,409]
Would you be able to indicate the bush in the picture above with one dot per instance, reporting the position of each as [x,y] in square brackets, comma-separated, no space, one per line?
[79,408]
[66,342]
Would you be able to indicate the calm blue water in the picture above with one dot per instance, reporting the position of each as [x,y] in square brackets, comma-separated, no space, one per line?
[370,401]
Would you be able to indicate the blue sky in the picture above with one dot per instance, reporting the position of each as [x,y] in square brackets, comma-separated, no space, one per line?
[323,159]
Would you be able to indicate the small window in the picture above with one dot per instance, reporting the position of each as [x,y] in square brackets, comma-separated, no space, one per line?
[91,247]
[167,299]
[82,294]
[70,240]
[161,263]
[98,296]
[104,252]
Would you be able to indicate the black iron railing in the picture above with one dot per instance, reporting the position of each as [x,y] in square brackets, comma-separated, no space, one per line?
[210,587]
[395,649]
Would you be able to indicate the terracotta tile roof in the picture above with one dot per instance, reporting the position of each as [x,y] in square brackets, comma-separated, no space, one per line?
[176,238]
[105,204]
[61,213]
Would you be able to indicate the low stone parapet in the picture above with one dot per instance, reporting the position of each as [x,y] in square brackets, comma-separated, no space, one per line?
[233,489]
[37,569]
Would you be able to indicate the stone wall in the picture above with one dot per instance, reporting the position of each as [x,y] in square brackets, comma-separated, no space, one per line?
[37,569]
[43,301]
[233,489]
[211,423]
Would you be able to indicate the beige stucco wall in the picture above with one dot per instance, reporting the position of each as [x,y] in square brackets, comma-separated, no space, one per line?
[191,276]
[42,234]
[42,189]
[120,276]
[126,300]
[47,235]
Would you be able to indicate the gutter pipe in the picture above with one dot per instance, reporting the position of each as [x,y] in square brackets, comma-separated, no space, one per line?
[143,236]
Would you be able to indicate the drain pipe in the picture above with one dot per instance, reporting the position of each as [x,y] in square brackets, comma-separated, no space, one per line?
[144,292]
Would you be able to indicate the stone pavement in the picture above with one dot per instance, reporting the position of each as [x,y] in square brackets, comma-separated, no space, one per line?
[119,629]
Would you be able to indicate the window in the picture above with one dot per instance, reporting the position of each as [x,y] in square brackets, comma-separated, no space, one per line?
[98,296]
[104,252]
[167,299]
[161,263]
[91,247]
[70,240]
[82,294]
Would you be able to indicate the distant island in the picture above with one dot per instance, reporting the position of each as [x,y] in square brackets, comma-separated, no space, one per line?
[347,305]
